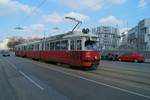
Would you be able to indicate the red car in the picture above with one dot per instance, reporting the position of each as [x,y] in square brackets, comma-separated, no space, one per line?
[134,56]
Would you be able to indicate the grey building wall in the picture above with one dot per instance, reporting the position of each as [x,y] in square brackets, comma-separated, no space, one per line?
[108,37]
[132,38]
[139,36]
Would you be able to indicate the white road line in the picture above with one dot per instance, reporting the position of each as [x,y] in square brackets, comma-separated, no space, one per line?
[11,64]
[90,80]
[31,80]
[100,83]
[25,75]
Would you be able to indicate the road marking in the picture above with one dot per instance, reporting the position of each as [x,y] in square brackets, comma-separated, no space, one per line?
[25,75]
[31,80]
[11,64]
[93,81]
[90,80]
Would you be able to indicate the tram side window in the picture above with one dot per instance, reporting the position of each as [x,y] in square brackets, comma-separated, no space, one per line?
[79,44]
[52,46]
[18,48]
[28,47]
[31,47]
[47,46]
[57,45]
[38,47]
[22,48]
[25,48]
[64,45]
[34,47]
[42,45]
[72,45]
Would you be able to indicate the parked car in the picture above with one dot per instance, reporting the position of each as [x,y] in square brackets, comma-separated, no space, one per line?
[131,56]
[5,53]
[110,56]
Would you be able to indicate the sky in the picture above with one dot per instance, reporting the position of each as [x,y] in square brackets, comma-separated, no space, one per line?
[39,19]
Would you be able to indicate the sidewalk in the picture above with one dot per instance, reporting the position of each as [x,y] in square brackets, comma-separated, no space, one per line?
[147,60]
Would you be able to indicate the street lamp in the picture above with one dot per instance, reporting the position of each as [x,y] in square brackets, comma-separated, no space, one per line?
[19,28]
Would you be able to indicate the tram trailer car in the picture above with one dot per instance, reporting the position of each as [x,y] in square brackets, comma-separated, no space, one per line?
[73,48]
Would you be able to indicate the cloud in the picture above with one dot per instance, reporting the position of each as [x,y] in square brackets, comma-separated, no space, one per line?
[90,4]
[32,31]
[78,16]
[124,30]
[53,18]
[110,20]
[12,6]
[118,1]
[142,3]
[83,4]
[34,28]
[56,18]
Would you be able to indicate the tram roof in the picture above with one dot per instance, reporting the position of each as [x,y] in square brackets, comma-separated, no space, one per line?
[28,43]
[62,36]
[71,35]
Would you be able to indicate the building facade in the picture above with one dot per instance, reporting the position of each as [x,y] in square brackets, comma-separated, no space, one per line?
[139,36]
[123,41]
[108,37]
[3,44]
[132,38]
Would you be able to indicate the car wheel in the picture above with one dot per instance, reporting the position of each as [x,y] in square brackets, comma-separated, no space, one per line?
[119,59]
[135,60]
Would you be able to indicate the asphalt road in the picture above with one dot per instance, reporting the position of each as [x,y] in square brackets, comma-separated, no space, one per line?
[25,79]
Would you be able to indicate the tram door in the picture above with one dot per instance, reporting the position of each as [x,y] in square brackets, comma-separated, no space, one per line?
[76,52]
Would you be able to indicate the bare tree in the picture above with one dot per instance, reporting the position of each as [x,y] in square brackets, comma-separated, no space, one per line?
[13,41]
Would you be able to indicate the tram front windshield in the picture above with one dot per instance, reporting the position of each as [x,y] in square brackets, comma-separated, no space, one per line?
[91,45]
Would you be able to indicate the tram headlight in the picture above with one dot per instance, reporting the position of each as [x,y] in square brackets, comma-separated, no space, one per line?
[88,54]
[95,57]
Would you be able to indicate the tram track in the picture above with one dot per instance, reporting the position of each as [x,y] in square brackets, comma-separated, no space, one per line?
[119,74]
[130,76]
[110,80]
[126,72]
[125,69]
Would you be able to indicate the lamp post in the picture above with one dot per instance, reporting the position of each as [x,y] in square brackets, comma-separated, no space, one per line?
[19,28]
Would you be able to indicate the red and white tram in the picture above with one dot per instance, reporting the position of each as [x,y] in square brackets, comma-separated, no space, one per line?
[73,48]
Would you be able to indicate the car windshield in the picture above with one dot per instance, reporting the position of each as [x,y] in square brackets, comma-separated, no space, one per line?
[90,45]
